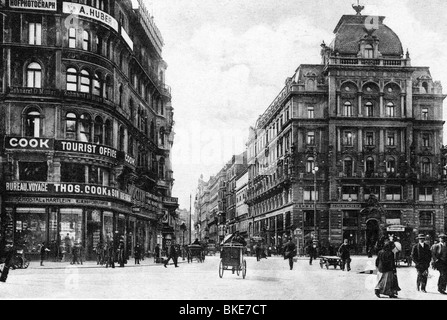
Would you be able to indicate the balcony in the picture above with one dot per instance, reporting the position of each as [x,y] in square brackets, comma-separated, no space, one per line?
[386,62]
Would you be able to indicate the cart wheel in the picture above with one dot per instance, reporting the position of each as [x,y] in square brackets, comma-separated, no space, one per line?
[244,269]
[221,269]
[327,264]
[238,270]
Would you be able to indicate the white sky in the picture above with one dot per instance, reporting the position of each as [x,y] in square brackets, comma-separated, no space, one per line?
[228,60]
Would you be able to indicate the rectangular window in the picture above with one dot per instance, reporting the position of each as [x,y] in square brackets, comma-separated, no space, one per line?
[72,38]
[310,138]
[311,112]
[426,194]
[348,138]
[424,113]
[309,218]
[350,193]
[35,33]
[369,141]
[72,172]
[310,194]
[350,218]
[374,190]
[393,193]
[425,218]
[390,139]
[33,171]
[425,139]
[390,110]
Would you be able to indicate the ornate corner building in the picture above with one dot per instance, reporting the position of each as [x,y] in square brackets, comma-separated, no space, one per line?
[86,125]
[352,147]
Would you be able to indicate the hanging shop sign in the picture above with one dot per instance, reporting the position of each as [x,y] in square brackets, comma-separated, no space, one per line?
[48,5]
[90,12]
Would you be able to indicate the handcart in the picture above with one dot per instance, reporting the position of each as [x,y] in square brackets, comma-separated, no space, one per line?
[195,251]
[232,258]
[330,261]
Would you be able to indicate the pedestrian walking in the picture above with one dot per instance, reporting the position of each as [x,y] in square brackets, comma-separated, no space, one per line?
[99,253]
[43,252]
[171,255]
[345,255]
[137,253]
[313,252]
[74,254]
[257,249]
[439,257]
[110,254]
[421,256]
[387,276]
[290,252]
[157,253]
[6,255]
[121,253]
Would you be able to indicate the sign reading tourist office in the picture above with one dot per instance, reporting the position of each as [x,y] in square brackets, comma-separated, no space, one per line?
[25,143]
[48,5]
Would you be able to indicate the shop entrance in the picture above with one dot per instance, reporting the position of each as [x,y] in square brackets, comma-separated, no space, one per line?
[93,233]
[372,235]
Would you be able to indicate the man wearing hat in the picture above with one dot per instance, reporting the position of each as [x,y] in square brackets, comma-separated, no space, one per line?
[6,254]
[290,251]
[421,255]
[439,256]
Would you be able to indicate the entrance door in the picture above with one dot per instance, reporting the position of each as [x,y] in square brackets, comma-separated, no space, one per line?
[372,235]
[93,233]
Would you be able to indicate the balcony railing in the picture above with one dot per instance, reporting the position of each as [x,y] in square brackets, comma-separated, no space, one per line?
[373,62]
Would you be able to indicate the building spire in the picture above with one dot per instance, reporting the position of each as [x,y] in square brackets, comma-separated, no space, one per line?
[358,8]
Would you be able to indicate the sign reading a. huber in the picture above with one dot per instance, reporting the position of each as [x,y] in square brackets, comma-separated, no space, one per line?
[90,12]
[48,5]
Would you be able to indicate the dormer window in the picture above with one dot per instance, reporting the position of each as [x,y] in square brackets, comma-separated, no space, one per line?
[369,52]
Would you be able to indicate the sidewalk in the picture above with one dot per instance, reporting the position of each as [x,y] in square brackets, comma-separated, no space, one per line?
[48,264]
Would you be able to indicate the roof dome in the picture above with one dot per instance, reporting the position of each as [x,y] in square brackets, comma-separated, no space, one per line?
[353,28]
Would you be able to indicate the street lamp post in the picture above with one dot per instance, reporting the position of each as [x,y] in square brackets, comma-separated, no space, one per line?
[315,170]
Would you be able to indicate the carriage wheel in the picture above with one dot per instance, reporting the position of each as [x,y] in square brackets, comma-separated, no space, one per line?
[244,269]
[238,269]
[221,269]
[327,264]
[25,264]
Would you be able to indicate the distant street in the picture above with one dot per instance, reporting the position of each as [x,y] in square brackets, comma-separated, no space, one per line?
[268,279]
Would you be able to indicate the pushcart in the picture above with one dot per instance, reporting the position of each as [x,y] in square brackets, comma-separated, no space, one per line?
[330,261]
[195,251]
[232,258]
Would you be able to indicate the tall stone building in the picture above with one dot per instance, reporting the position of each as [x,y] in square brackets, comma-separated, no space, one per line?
[352,147]
[86,125]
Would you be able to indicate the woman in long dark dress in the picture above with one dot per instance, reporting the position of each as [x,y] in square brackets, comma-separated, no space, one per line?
[386,275]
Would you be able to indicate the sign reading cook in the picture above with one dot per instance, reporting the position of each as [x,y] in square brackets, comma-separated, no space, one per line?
[29,143]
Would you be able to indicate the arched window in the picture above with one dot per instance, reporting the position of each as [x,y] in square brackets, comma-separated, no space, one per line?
[390,110]
[34,75]
[97,85]
[348,166]
[71,124]
[391,165]
[98,45]
[426,166]
[310,165]
[161,168]
[72,79]
[108,133]
[424,87]
[369,52]
[347,109]
[85,81]
[369,109]
[370,167]
[99,130]
[121,137]
[85,128]
[32,123]
[86,41]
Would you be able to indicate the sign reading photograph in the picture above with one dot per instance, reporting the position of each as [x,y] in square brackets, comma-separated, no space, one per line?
[48,5]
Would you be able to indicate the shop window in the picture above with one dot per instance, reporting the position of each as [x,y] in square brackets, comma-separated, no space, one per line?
[34,75]
[426,194]
[31,228]
[32,123]
[35,33]
[72,38]
[33,171]
[107,226]
[71,226]
[350,193]
[393,193]
[72,172]
[426,218]
[72,79]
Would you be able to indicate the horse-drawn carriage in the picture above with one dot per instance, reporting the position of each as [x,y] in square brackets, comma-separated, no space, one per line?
[195,251]
[232,258]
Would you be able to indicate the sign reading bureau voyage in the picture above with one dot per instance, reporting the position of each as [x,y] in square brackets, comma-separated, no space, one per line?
[49,5]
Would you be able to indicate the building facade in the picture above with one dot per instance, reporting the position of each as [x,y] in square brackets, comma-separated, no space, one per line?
[352,147]
[86,125]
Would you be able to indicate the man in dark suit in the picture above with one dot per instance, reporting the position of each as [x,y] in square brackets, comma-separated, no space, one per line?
[439,255]
[290,252]
[421,255]
[345,255]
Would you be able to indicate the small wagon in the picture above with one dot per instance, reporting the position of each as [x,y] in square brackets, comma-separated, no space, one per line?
[330,261]
[232,258]
[195,251]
